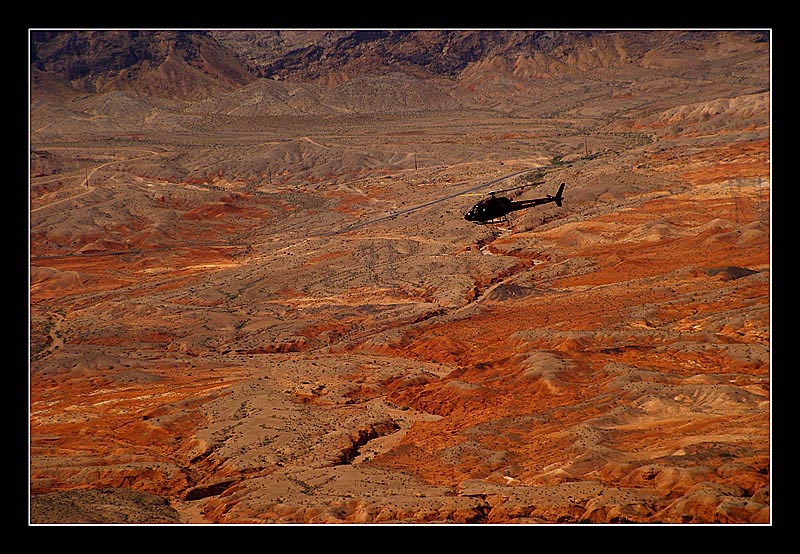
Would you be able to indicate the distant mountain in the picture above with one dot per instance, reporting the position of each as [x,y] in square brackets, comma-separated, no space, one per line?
[285,72]
[186,65]
[310,55]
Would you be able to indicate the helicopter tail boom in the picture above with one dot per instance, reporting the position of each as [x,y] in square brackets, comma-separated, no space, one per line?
[522,204]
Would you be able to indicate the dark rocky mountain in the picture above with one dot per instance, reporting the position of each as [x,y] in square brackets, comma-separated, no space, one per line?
[191,65]
[313,54]
[308,55]
[173,64]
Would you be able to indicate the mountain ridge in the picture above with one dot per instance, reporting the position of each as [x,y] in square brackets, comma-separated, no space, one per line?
[192,65]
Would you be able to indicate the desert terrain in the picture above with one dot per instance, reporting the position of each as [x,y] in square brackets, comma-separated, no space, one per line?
[254,298]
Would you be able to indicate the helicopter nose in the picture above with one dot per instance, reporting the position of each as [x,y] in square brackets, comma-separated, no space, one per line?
[470,215]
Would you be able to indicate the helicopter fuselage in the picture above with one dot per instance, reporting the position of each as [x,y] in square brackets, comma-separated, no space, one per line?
[494,208]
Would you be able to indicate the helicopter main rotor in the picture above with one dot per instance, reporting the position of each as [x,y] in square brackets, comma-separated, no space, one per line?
[467,192]
[526,185]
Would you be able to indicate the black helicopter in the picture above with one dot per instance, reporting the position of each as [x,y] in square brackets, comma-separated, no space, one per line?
[496,208]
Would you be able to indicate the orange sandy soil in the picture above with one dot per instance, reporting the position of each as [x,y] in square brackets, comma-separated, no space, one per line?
[598,306]
[643,306]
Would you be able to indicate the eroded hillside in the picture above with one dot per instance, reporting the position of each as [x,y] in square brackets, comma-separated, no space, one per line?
[265,305]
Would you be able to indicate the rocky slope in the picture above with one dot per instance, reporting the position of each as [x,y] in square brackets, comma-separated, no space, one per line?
[254,298]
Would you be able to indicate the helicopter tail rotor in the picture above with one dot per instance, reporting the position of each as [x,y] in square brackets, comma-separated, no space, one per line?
[560,195]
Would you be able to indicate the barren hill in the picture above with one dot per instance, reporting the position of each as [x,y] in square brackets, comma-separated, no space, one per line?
[254,297]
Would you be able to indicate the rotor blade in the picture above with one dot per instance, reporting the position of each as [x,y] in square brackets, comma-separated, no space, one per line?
[503,190]
[393,215]
[520,187]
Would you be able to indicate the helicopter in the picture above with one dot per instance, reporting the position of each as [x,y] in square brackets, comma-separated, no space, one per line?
[496,208]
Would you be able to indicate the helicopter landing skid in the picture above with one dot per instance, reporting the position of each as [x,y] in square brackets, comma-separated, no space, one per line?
[497,231]
[495,221]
